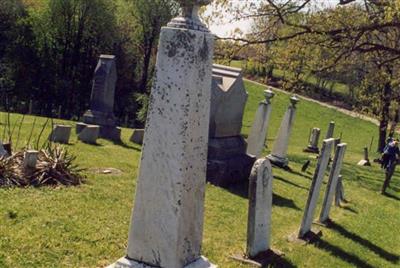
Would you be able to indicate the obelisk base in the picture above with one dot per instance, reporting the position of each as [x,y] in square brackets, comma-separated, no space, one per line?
[202,262]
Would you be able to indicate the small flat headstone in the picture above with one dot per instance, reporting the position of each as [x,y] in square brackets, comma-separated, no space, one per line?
[89,134]
[60,134]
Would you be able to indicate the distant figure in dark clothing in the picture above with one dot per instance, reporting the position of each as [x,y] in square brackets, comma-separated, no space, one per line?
[389,161]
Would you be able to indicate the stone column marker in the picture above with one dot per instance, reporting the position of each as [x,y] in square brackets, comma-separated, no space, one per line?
[314,140]
[167,220]
[279,152]
[331,130]
[315,188]
[333,182]
[258,133]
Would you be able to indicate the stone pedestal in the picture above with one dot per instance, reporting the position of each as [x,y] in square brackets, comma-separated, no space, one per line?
[316,187]
[167,221]
[101,110]
[278,156]
[314,140]
[331,130]
[333,182]
[260,208]
[258,132]
[60,134]
[89,134]
[30,159]
[137,136]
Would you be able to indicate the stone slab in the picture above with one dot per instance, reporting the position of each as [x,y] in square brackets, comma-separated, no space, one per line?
[89,134]
[315,188]
[137,136]
[202,262]
[60,134]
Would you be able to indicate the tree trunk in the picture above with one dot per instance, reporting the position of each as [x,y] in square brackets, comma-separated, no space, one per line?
[384,121]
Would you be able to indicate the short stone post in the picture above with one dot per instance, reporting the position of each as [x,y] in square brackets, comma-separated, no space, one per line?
[339,195]
[365,162]
[314,140]
[89,134]
[60,134]
[258,133]
[167,221]
[30,108]
[331,130]
[279,152]
[315,188]
[333,182]
[260,208]
[30,159]
[137,136]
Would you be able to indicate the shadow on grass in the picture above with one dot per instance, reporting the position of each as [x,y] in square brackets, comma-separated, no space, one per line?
[352,210]
[364,242]
[126,146]
[242,190]
[391,196]
[340,253]
[300,174]
[290,183]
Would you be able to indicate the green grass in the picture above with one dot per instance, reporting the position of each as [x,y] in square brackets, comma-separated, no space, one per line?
[87,226]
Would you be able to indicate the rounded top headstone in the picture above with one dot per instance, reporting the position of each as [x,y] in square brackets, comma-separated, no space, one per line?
[189,18]
[269,94]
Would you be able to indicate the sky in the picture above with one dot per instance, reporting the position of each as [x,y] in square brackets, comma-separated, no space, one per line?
[225,28]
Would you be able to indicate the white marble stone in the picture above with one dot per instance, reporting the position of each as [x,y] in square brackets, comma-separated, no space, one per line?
[30,159]
[89,134]
[333,182]
[316,187]
[331,130]
[60,134]
[167,221]
[314,141]
[259,130]
[260,208]
[279,151]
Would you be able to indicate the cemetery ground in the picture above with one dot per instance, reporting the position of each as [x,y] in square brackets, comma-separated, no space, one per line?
[87,226]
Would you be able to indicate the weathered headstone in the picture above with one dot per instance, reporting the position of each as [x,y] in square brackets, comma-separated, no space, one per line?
[102,99]
[339,194]
[30,159]
[331,130]
[314,140]
[279,152]
[333,182]
[365,162]
[260,208]
[60,134]
[89,134]
[315,188]
[167,220]
[137,136]
[258,133]
[227,159]
[79,127]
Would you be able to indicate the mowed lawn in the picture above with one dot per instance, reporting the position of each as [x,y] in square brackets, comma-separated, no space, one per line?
[87,226]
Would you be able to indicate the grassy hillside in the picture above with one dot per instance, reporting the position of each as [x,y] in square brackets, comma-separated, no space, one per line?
[87,226]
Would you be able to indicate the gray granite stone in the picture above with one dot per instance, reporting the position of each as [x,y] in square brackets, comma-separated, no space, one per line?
[137,136]
[79,127]
[332,182]
[258,132]
[89,134]
[339,194]
[228,101]
[60,134]
[260,208]
[331,130]
[30,159]
[279,152]
[314,141]
[316,187]
[167,220]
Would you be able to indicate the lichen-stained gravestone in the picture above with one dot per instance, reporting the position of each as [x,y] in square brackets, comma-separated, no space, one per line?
[258,133]
[316,187]
[333,182]
[102,98]
[279,152]
[227,159]
[331,130]
[260,208]
[167,220]
[314,140]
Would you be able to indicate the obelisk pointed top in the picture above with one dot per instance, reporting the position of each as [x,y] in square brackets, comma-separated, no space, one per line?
[189,18]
